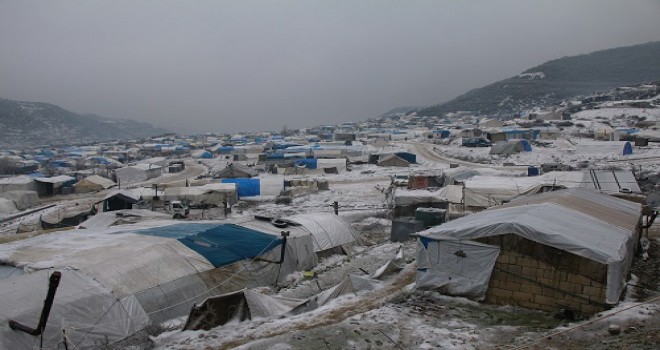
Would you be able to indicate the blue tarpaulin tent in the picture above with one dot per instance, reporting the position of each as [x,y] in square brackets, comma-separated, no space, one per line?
[245,187]
[219,244]
[407,156]
[307,163]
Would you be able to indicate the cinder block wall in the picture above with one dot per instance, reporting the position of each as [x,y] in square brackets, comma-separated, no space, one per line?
[536,276]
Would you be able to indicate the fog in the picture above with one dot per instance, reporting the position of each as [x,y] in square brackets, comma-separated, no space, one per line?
[226,66]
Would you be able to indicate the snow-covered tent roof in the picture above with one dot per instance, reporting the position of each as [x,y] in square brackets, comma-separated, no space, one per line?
[55,179]
[620,148]
[580,230]
[450,194]
[487,191]
[235,170]
[132,275]
[93,183]
[22,183]
[327,229]
[214,194]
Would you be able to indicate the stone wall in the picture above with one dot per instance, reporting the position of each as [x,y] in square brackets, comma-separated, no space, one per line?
[537,276]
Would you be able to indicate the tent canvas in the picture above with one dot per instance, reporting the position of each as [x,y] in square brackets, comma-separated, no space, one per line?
[327,230]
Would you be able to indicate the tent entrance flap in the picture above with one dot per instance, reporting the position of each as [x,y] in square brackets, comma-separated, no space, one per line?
[460,268]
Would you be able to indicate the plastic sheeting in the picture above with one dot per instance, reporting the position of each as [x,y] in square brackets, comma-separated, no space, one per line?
[22,199]
[214,194]
[620,148]
[557,226]
[7,207]
[241,305]
[327,229]
[79,301]
[455,267]
[228,243]
[451,194]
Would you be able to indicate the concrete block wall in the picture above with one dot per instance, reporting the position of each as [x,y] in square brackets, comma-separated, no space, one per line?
[536,276]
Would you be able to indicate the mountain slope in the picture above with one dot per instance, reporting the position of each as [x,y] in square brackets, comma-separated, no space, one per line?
[34,123]
[560,79]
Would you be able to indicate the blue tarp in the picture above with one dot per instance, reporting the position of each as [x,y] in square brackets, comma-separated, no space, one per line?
[59,164]
[245,187]
[407,156]
[222,244]
[627,148]
[307,163]
[101,160]
[443,133]
[285,145]
[526,146]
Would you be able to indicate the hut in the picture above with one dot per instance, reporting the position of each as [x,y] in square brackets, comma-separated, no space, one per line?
[522,254]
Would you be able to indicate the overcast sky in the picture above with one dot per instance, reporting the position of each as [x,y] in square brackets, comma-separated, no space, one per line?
[226,66]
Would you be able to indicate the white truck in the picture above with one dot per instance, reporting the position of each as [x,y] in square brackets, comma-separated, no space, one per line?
[178,209]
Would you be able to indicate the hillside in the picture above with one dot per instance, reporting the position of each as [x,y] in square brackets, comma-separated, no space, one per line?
[560,79]
[34,123]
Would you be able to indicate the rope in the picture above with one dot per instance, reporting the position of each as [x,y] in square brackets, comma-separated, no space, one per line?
[97,322]
[585,324]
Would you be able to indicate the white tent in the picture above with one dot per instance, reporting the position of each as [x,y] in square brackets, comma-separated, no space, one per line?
[488,191]
[21,183]
[124,277]
[22,199]
[327,230]
[137,173]
[450,194]
[7,207]
[214,194]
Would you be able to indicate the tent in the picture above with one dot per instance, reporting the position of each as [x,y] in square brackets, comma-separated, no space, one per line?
[212,194]
[137,173]
[7,207]
[121,199]
[510,147]
[235,170]
[328,230]
[248,304]
[262,186]
[48,186]
[93,183]
[115,281]
[393,160]
[577,243]
[620,148]
[20,183]
[488,191]
[204,154]
[22,199]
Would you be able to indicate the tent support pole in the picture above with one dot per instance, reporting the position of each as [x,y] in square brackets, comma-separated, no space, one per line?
[45,312]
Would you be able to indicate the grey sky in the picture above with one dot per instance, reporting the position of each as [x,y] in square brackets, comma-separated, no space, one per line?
[203,66]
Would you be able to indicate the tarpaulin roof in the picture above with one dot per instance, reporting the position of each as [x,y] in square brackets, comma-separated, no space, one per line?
[578,229]
[228,243]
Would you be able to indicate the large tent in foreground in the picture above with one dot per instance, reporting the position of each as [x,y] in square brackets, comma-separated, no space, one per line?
[116,281]
[569,249]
